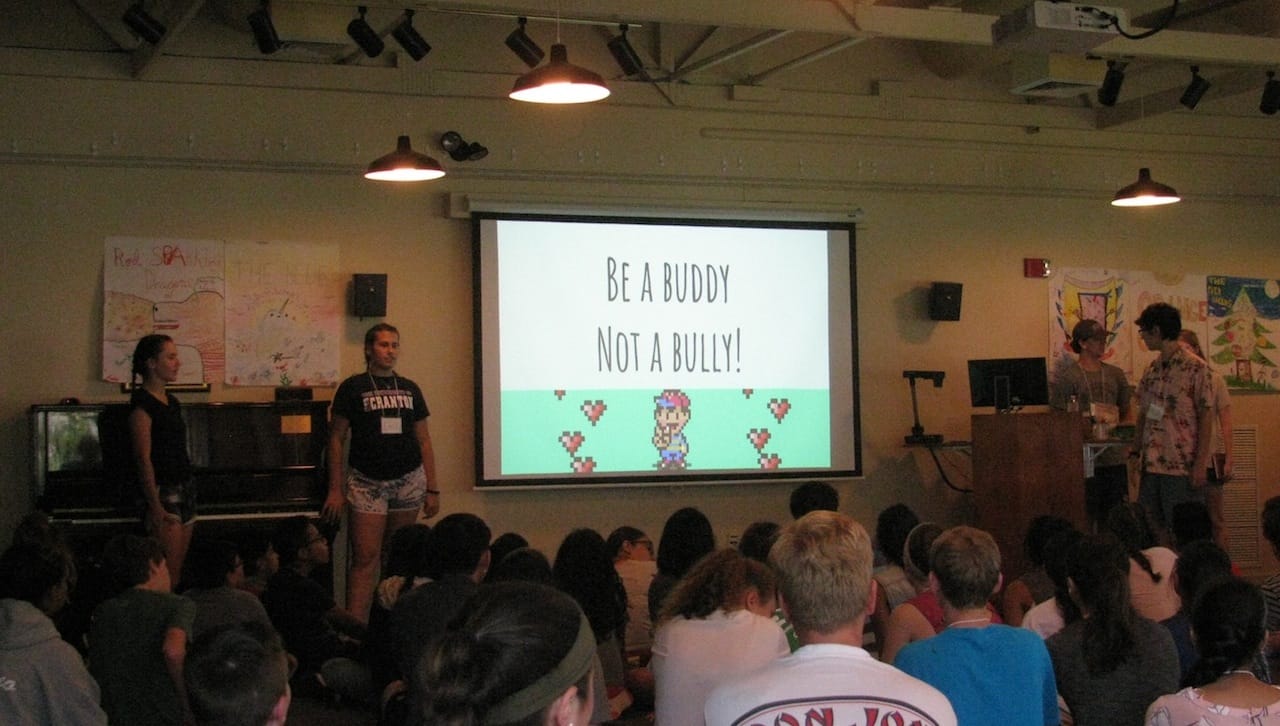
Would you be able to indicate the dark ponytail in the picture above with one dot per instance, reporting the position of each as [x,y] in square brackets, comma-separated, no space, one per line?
[1228,621]
[1100,571]
[509,635]
[148,347]
[1130,524]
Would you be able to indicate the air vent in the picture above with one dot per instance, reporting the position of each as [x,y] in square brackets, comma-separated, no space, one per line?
[1055,76]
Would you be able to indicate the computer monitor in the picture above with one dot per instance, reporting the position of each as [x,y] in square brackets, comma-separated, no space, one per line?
[1008,383]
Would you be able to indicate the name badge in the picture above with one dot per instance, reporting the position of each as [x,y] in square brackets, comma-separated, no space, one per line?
[1155,412]
[392,426]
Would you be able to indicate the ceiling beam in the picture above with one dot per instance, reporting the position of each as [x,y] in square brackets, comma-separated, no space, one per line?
[1162,102]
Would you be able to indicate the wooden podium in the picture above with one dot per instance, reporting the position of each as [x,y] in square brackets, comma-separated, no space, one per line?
[1025,465]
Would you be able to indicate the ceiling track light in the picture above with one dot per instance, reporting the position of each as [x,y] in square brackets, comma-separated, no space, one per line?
[404,165]
[264,31]
[459,149]
[628,60]
[1109,92]
[1195,89]
[413,43]
[1270,102]
[523,46]
[364,36]
[142,23]
[1146,192]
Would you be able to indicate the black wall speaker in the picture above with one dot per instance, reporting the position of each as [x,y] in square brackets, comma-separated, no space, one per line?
[944,301]
[369,296]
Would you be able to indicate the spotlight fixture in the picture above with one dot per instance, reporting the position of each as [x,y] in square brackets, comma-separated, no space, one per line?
[1110,90]
[264,31]
[1146,192]
[459,149]
[404,165]
[1270,102]
[1195,89]
[143,23]
[364,36]
[413,43]
[559,81]
[624,54]
[523,46]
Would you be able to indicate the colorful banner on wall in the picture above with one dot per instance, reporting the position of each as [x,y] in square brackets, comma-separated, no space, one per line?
[1235,319]
[248,313]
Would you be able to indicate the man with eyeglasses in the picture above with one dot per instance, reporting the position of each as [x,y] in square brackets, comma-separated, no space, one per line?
[1174,428]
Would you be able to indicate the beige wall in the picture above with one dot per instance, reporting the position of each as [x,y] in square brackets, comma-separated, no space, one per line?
[87,159]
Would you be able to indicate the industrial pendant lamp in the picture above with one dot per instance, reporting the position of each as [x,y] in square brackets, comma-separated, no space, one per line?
[1146,192]
[559,81]
[404,165]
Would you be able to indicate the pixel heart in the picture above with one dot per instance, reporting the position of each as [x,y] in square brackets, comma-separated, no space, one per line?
[571,441]
[759,437]
[584,466]
[770,461]
[779,407]
[746,392]
[559,394]
[593,410]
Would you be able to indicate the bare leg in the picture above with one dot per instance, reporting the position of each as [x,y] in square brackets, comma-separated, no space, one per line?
[175,539]
[366,534]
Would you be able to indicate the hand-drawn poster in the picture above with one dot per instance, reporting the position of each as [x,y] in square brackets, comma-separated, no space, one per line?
[1234,318]
[284,303]
[165,286]
[1244,318]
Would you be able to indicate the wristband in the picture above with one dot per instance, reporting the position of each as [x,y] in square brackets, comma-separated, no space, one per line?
[434,491]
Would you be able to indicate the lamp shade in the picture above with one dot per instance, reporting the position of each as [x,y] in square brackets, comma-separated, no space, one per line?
[1146,192]
[559,81]
[404,165]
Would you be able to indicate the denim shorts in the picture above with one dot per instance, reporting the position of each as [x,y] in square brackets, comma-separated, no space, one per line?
[379,496]
[179,499]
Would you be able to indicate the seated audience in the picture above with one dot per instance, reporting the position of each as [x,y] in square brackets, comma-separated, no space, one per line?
[920,617]
[46,677]
[502,545]
[813,496]
[460,543]
[237,674]
[1112,663]
[757,539]
[523,565]
[991,673]
[1191,523]
[1200,563]
[583,569]
[215,571]
[260,561]
[893,587]
[1271,586]
[138,640]
[1033,586]
[914,619]
[325,638]
[1220,688]
[1046,619]
[632,554]
[409,563]
[717,625]
[823,564]
[1150,566]
[522,654]
[686,538]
